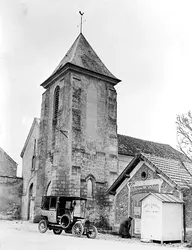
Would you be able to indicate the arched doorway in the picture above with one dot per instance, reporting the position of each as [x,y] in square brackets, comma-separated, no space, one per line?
[30,200]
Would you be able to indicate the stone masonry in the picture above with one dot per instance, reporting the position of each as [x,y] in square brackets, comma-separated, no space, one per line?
[10,188]
[82,146]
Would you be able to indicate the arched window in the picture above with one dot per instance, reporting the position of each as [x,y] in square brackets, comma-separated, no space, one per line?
[89,188]
[56,105]
[33,163]
[31,191]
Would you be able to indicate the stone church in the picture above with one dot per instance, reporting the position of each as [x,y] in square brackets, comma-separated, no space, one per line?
[74,148]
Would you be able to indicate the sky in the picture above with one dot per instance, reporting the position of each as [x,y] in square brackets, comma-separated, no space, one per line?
[145,43]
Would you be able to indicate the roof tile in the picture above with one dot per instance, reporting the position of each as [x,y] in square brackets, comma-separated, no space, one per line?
[174,169]
[130,146]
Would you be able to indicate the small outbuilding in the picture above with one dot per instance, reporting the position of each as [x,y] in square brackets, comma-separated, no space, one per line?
[161,218]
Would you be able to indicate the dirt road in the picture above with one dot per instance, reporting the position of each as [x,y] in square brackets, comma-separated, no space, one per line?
[18,235]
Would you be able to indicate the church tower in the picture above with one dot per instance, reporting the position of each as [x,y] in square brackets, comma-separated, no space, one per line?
[78,147]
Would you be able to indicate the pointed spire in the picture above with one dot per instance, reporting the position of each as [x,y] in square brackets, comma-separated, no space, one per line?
[82,55]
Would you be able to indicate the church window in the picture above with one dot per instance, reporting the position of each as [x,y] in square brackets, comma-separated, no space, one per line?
[89,188]
[91,112]
[33,158]
[56,105]
[33,163]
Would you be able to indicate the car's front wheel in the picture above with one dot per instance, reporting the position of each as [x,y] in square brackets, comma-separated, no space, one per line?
[57,231]
[43,226]
[91,232]
[77,229]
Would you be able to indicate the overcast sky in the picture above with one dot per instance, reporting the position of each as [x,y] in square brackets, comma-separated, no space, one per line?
[145,43]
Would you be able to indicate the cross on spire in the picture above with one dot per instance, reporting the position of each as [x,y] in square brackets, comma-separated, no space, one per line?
[81,24]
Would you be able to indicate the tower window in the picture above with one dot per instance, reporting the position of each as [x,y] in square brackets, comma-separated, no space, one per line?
[89,188]
[55,113]
[56,105]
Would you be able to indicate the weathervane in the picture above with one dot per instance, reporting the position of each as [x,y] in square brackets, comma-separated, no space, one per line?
[81,24]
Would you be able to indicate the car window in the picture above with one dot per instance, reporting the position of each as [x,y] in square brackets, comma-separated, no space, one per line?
[67,205]
[53,202]
[79,209]
[45,203]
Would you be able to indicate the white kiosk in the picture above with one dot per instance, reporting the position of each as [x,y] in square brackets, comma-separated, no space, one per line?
[161,218]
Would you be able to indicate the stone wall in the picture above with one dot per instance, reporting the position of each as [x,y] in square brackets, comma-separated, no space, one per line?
[94,140]
[10,197]
[85,140]
[29,156]
[121,205]
[138,186]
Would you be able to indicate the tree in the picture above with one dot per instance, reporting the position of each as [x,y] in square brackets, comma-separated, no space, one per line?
[184,134]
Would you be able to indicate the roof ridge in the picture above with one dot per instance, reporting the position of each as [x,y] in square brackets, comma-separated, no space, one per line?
[161,157]
[146,140]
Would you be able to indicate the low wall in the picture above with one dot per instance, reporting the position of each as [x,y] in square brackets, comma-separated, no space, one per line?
[10,197]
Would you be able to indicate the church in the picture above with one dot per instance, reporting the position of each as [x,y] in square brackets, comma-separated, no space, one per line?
[74,148]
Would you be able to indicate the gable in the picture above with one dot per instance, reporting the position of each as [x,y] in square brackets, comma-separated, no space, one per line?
[170,170]
[34,132]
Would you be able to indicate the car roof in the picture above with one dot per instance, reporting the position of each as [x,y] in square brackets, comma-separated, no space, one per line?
[69,198]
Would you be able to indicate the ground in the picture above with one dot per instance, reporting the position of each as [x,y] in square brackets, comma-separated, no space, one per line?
[23,235]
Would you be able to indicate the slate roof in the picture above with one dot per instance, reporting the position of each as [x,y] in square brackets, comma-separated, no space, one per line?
[128,145]
[82,55]
[165,198]
[7,156]
[188,166]
[174,170]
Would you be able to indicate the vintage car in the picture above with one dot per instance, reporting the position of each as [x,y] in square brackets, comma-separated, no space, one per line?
[65,213]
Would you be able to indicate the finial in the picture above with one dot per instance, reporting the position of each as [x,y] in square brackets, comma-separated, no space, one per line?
[81,13]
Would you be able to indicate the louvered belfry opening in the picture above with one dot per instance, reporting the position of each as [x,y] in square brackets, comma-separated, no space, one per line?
[55,113]
[56,105]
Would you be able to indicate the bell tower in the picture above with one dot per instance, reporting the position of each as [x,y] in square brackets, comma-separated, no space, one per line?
[78,147]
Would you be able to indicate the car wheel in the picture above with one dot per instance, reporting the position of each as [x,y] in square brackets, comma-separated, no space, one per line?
[42,226]
[91,232]
[77,229]
[57,231]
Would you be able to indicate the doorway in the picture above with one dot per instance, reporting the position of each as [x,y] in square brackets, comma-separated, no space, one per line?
[30,200]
